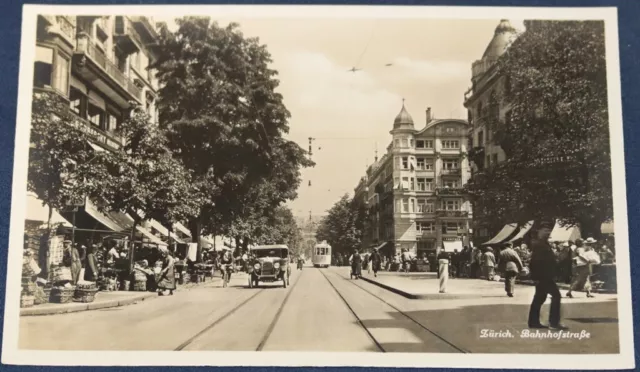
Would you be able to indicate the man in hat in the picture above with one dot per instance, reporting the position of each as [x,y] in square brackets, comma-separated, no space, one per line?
[543,271]
[511,265]
[489,264]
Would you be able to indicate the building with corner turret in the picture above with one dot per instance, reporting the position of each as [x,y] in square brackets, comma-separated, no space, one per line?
[414,192]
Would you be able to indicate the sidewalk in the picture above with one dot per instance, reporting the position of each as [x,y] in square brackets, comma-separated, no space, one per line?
[109,299]
[103,300]
[427,286]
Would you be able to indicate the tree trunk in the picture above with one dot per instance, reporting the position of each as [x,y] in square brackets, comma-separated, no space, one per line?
[45,245]
[238,245]
[132,251]
[245,244]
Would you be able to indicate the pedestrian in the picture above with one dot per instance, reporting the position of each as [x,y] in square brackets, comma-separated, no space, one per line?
[584,258]
[489,263]
[167,276]
[543,268]
[443,270]
[76,263]
[356,264]
[91,267]
[511,265]
[376,261]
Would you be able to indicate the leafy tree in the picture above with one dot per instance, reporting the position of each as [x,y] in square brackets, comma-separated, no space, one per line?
[343,227]
[557,136]
[57,157]
[225,122]
[142,179]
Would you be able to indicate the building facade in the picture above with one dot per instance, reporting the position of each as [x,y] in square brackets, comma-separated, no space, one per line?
[100,65]
[488,107]
[415,191]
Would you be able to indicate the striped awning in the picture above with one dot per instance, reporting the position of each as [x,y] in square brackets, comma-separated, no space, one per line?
[150,237]
[164,231]
[564,233]
[104,219]
[523,231]
[180,227]
[506,231]
[38,212]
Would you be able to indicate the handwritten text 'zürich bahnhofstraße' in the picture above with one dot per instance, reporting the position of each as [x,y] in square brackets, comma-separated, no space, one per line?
[535,334]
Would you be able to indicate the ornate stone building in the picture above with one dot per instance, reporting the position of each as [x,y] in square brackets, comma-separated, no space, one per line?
[414,192]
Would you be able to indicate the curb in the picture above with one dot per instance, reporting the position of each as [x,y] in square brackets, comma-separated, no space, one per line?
[76,307]
[392,289]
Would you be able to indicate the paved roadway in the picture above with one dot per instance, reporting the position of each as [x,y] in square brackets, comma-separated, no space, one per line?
[322,310]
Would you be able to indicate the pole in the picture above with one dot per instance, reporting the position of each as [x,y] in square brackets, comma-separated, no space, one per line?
[73,228]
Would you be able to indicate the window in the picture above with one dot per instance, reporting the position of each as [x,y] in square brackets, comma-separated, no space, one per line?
[113,120]
[480,138]
[396,182]
[425,226]
[396,142]
[426,245]
[62,75]
[405,205]
[405,162]
[450,144]
[420,163]
[451,205]
[421,206]
[420,144]
[411,183]
[450,130]
[411,142]
[77,102]
[428,144]
[452,184]
[428,165]
[135,60]
[405,183]
[450,164]
[413,205]
[43,67]
[95,115]
[422,184]
[428,208]
[450,227]
[405,142]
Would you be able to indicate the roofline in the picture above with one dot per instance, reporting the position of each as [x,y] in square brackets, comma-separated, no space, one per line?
[440,121]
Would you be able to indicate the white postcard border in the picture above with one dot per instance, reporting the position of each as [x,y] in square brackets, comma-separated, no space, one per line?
[12,355]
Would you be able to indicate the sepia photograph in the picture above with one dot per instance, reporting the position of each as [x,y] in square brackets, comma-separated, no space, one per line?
[319,186]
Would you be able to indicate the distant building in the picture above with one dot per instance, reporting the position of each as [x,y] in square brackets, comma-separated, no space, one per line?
[488,107]
[414,192]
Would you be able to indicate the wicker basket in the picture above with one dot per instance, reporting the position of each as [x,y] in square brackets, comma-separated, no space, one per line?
[140,286]
[62,295]
[84,295]
[29,288]
[27,301]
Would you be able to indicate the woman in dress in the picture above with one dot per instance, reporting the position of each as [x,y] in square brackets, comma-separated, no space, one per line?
[91,268]
[167,276]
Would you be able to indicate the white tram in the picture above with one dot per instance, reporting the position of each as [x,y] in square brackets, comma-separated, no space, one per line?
[321,256]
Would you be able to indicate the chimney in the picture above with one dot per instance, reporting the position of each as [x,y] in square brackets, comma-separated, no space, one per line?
[428,115]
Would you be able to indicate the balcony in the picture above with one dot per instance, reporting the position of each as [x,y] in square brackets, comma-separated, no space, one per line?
[452,214]
[104,138]
[449,191]
[63,26]
[104,73]
[425,234]
[146,28]
[126,36]
[450,172]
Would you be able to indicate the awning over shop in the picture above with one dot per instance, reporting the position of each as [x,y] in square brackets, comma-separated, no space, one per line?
[104,219]
[381,245]
[205,242]
[607,228]
[506,231]
[38,212]
[180,227]
[523,231]
[452,245]
[96,148]
[164,231]
[150,237]
[564,234]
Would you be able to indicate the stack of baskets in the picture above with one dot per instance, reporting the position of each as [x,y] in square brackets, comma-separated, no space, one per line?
[62,294]
[140,281]
[27,296]
[85,292]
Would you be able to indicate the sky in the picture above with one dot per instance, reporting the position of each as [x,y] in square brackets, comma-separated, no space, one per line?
[350,114]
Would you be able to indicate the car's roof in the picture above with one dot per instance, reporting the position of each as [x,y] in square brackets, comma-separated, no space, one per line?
[280,246]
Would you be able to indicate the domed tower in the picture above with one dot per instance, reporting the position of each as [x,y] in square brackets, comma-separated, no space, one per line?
[503,36]
[403,120]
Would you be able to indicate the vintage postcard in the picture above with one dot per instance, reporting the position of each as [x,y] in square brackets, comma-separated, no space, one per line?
[319,186]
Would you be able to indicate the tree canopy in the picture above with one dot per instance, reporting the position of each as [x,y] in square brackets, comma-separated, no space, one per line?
[343,226]
[225,122]
[556,132]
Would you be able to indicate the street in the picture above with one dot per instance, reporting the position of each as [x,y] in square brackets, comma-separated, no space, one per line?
[322,310]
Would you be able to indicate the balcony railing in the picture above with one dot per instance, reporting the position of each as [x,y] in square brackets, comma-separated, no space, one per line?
[128,37]
[449,213]
[103,137]
[98,56]
[66,26]
[450,172]
[455,191]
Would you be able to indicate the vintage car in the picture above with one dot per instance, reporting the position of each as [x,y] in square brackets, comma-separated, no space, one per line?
[269,263]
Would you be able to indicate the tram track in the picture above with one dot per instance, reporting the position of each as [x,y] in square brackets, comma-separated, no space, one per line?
[235,309]
[399,311]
